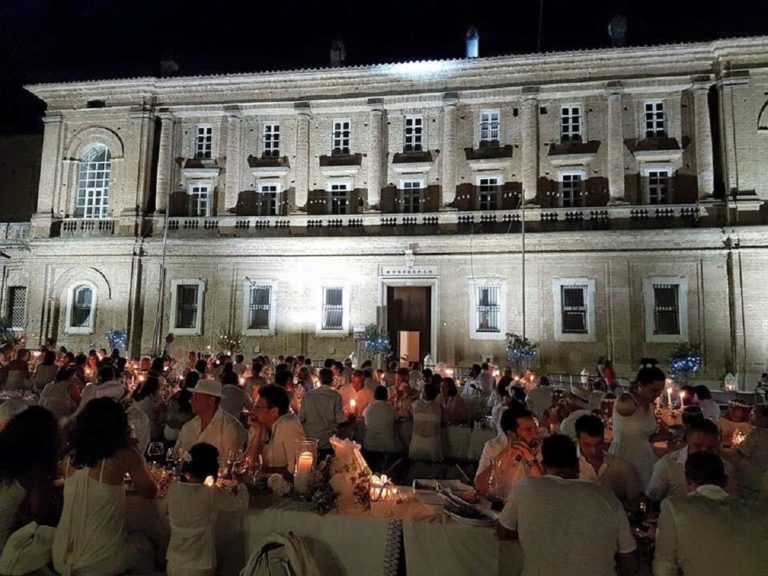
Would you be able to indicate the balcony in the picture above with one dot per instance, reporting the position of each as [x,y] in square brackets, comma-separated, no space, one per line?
[86,227]
[489,157]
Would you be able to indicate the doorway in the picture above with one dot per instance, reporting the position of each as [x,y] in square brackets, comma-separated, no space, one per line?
[409,308]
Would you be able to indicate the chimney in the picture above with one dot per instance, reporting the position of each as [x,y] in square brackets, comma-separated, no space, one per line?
[338,53]
[617,30]
[473,42]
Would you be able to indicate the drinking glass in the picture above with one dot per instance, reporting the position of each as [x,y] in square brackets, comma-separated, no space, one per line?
[155,450]
[234,457]
[173,458]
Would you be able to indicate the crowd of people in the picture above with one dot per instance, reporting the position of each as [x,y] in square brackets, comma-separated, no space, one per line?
[73,427]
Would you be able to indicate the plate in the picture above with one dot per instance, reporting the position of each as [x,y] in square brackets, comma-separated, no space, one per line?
[455,513]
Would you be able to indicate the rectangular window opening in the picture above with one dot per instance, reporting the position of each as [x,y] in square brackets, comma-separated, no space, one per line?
[333,308]
[487,309]
[574,309]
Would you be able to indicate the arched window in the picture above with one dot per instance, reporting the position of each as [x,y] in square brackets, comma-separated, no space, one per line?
[81,311]
[93,184]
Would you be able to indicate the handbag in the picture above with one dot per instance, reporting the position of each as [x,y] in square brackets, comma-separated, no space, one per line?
[26,550]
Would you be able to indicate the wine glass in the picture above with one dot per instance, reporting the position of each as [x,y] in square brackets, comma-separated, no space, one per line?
[155,450]
[173,458]
[234,457]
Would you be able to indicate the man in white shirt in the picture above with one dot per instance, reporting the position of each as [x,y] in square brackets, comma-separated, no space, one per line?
[539,399]
[473,388]
[357,391]
[239,367]
[380,424]
[566,526]
[211,424]
[596,465]
[513,454]
[274,431]
[668,478]
[322,411]
[708,532]
[486,379]
[578,406]
[106,386]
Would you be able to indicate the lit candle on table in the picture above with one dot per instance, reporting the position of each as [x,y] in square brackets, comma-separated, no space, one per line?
[303,471]
[352,405]
[669,397]
[682,398]
[209,481]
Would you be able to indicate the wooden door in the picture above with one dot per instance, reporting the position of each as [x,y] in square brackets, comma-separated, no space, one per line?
[409,308]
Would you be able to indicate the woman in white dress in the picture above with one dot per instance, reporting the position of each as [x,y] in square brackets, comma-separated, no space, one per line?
[148,399]
[634,421]
[427,438]
[91,539]
[193,505]
[29,453]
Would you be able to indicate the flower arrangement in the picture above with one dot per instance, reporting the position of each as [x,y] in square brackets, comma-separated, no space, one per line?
[230,341]
[685,360]
[376,341]
[519,348]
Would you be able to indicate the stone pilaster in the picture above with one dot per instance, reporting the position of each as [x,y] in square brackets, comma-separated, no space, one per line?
[375,159]
[302,154]
[705,168]
[447,152]
[530,145]
[232,181]
[49,188]
[164,163]
[615,139]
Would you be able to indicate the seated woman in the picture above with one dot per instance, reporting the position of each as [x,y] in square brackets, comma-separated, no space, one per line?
[29,452]
[192,505]
[379,418]
[147,398]
[180,407]
[427,438]
[91,539]
[62,395]
[44,373]
[455,409]
[18,371]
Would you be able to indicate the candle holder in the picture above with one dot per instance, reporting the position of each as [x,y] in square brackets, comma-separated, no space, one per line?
[382,495]
[305,464]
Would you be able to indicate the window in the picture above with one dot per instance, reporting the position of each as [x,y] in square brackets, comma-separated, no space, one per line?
[333,308]
[487,314]
[666,309]
[187,307]
[570,124]
[81,308]
[199,200]
[204,142]
[413,138]
[17,307]
[653,119]
[338,197]
[490,128]
[488,192]
[574,309]
[342,130]
[269,199]
[657,185]
[93,183]
[571,189]
[259,307]
[271,141]
[411,195]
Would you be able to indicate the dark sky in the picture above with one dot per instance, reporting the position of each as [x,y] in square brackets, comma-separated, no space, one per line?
[48,40]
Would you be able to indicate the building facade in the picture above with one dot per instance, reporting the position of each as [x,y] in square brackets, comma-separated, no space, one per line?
[293,206]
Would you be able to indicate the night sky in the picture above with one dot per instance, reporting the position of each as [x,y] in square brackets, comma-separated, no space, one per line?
[52,40]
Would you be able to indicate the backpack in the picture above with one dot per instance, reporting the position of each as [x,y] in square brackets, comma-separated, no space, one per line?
[281,555]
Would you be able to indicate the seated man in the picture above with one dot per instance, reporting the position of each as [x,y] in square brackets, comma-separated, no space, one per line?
[753,454]
[668,478]
[596,465]
[707,532]
[566,526]
[274,431]
[321,410]
[509,457]
[473,388]
[380,424]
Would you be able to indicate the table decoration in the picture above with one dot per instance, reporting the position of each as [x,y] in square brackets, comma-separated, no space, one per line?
[382,495]
[350,474]
[305,464]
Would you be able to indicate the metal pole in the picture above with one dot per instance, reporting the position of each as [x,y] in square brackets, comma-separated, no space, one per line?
[522,255]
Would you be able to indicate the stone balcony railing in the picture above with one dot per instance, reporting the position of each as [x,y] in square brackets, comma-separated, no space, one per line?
[87,227]
[230,225]
[14,232]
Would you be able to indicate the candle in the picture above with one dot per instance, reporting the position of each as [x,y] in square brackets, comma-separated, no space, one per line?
[738,438]
[352,405]
[303,474]
[669,397]
[209,481]
[682,398]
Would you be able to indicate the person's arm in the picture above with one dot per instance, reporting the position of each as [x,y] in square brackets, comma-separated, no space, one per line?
[658,485]
[139,472]
[665,557]
[626,547]
[506,526]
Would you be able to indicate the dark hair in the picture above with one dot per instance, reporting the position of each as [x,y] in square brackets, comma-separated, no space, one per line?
[284,377]
[120,365]
[282,367]
[326,376]
[517,393]
[239,358]
[81,359]
[649,373]
[230,377]
[201,366]
[559,451]
[64,374]
[692,414]
[150,386]
[451,383]
[276,397]
[256,368]
[329,362]
[591,425]
[705,468]
[485,366]
[157,365]
[381,393]
[106,373]
[430,391]
[29,444]
[101,429]
[403,373]
[702,392]
[703,425]
[511,416]
[339,366]
[49,358]
[204,461]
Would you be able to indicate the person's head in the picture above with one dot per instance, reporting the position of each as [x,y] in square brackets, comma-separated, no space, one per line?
[392,366]
[474,372]
[703,436]
[381,393]
[429,392]
[101,429]
[147,388]
[29,445]
[273,402]
[325,376]
[239,358]
[358,380]
[283,378]
[738,411]
[49,358]
[590,436]
[81,359]
[328,363]
[485,366]
[691,414]
[201,366]
[22,354]
[206,397]
[230,377]
[559,456]
[64,374]
[157,366]
[169,337]
[201,461]
[764,377]
[704,468]
[759,416]
[448,388]
[338,368]
[608,364]
[518,424]
[649,382]
[191,380]
[106,373]
[403,376]
[304,374]
[702,393]
[256,368]
[543,381]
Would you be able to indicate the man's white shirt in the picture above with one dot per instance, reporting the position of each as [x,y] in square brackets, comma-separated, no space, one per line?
[615,473]
[321,413]
[668,478]
[223,431]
